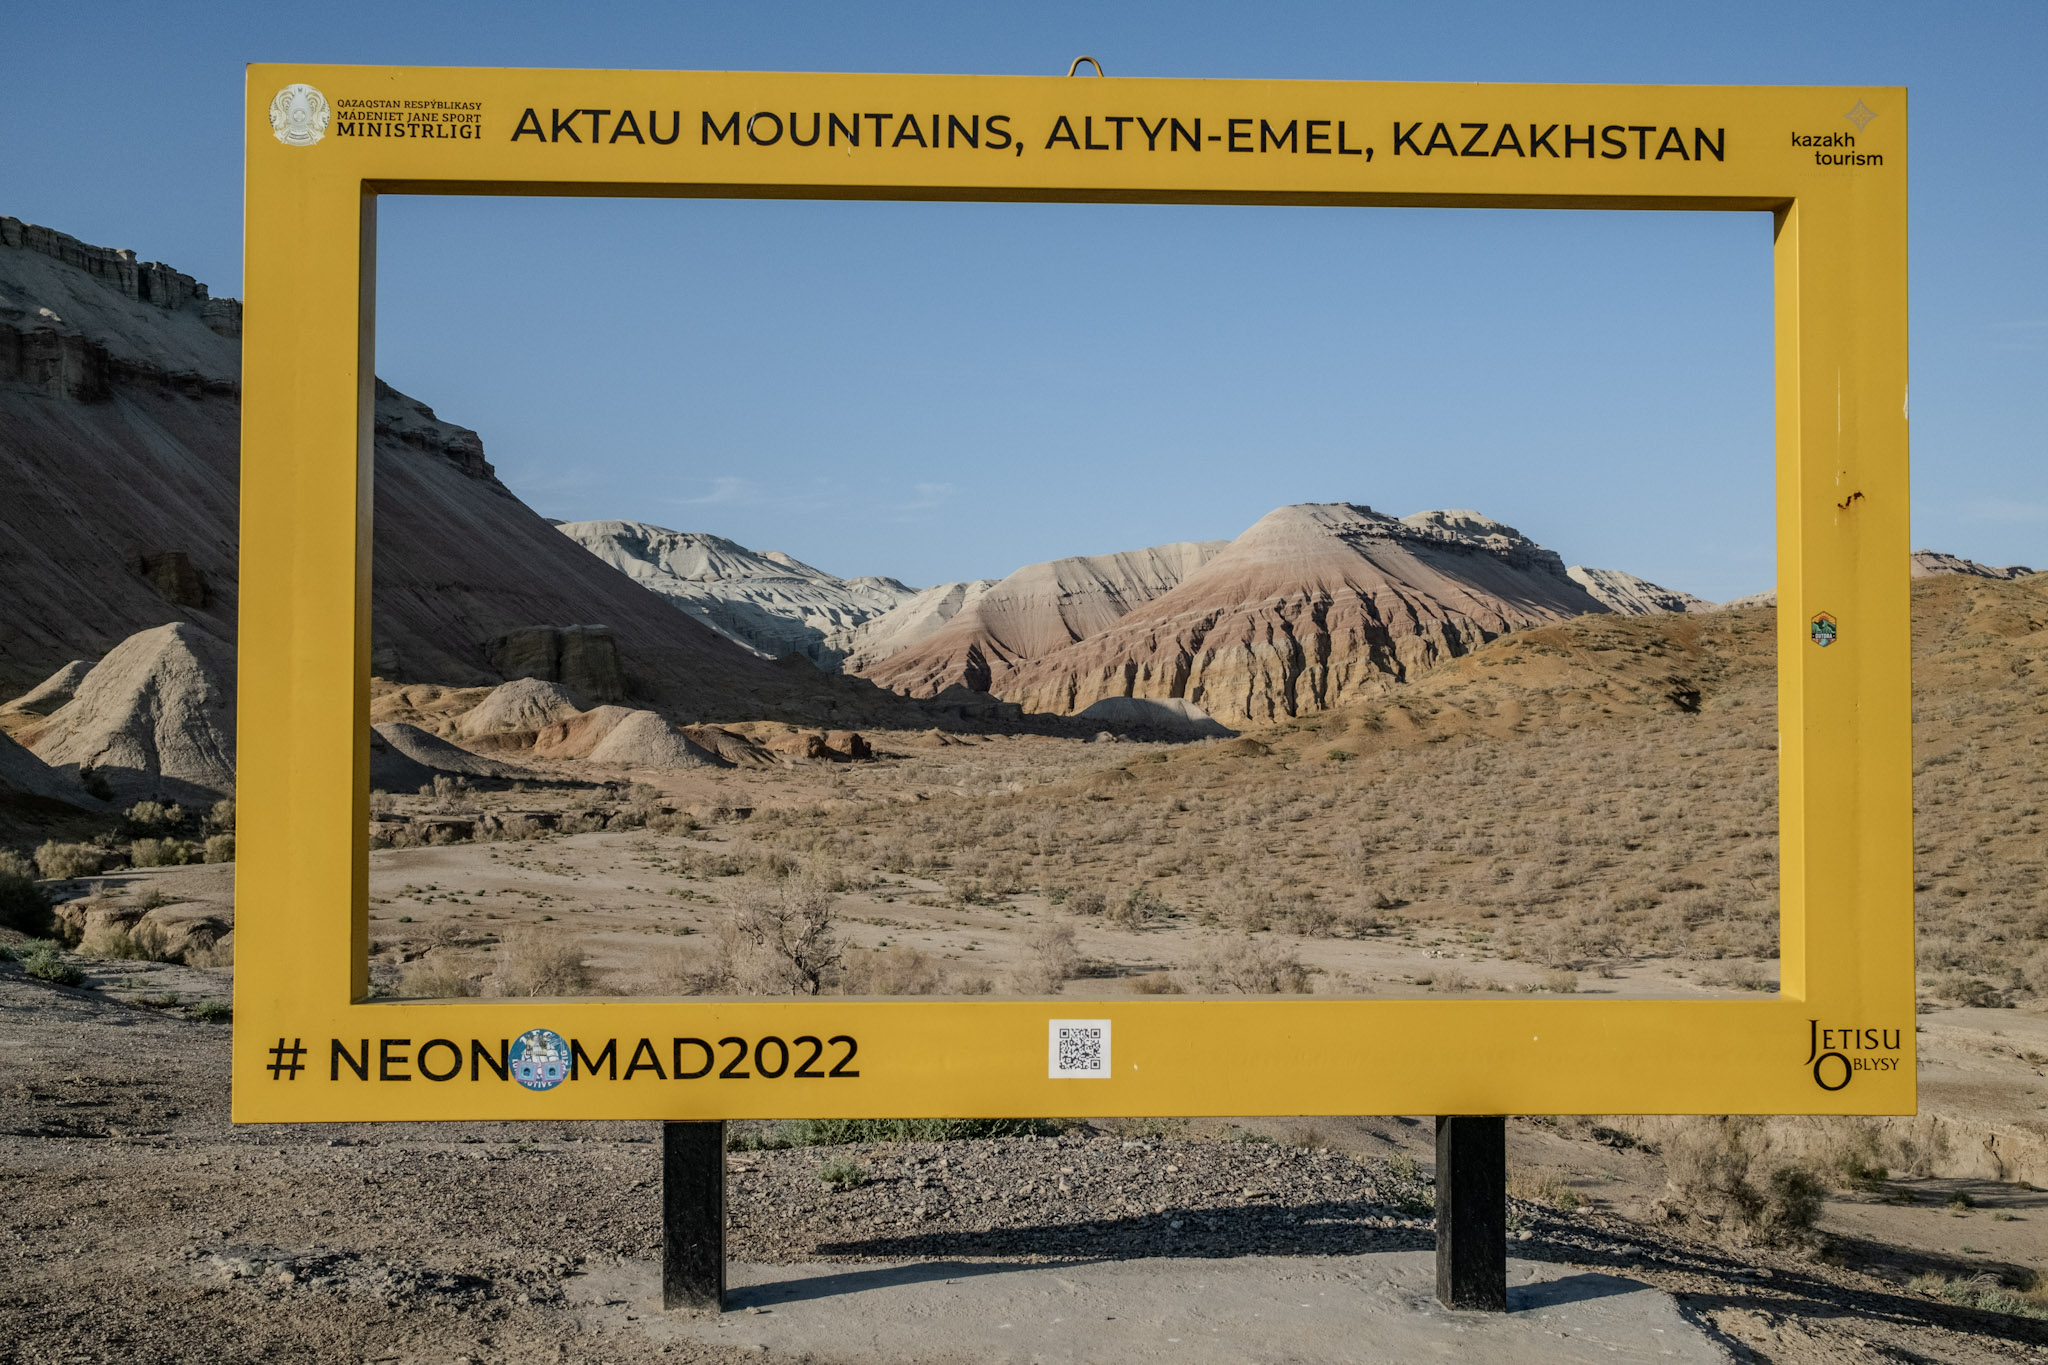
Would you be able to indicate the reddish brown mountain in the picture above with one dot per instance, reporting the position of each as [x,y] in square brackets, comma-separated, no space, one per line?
[1314,604]
[1036,611]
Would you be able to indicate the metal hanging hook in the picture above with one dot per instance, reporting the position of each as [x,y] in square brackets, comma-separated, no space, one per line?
[1090,60]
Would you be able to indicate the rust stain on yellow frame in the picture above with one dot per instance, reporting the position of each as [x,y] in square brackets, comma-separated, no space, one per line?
[1830,163]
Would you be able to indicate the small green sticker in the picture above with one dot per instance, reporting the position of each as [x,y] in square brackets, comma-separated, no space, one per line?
[1823,630]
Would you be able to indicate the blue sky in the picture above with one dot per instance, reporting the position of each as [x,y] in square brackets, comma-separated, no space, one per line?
[940,391]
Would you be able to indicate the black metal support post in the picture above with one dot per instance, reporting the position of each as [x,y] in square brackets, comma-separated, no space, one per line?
[1472,1213]
[693,1216]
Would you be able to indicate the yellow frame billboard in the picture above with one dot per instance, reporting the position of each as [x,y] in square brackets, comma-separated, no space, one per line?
[324,143]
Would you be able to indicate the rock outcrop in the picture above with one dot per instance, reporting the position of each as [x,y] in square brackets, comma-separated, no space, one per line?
[155,719]
[584,659]
[1632,596]
[120,450]
[1932,563]
[909,622]
[769,602]
[51,693]
[1314,604]
[642,739]
[1035,611]
[521,707]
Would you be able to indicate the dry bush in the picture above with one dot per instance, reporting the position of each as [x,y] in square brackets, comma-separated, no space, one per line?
[1721,1171]
[1137,910]
[161,853]
[1543,1187]
[1052,959]
[1087,901]
[1156,983]
[143,941]
[63,862]
[221,818]
[1238,964]
[219,848]
[1561,982]
[534,962]
[899,970]
[439,978]
[219,953]
[778,937]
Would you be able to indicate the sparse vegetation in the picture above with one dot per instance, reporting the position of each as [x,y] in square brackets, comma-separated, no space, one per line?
[533,962]
[44,961]
[64,862]
[1723,1174]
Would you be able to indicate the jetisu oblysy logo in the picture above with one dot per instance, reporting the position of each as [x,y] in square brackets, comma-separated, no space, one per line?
[540,1059]
[299,116]
[1837,1054]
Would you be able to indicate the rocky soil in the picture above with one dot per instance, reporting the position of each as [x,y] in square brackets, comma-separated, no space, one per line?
[138,1226]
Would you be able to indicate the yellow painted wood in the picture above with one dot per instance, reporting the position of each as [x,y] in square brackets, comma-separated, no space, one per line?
[1838,1038]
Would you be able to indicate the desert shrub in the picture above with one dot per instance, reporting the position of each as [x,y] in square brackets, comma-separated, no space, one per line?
[1971,992]
[219,953]
[1720,1171]
[219,848]
[1156,983]
[1561,982]
[1051,959]
[1543,1187]
[1241,965]
[64,862]
[44,964]
[143,941]
[214,1011]
[843,1174]
[23,906]
[899,970]
[1307,916]
[778,937]
[435,979]
[671,822]
[1138,909]
[95,782]
[1087,901]
[534,962]
[161,853]
[145,816]
[221,818]
[1985,1291]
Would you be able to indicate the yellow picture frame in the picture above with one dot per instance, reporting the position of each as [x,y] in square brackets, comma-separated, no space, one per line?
[1829,163]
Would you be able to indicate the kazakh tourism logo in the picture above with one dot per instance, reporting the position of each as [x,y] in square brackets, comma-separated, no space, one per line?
[299,116]
[1823,630]
[540,1059]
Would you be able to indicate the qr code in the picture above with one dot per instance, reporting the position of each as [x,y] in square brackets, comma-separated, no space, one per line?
[1079,1047]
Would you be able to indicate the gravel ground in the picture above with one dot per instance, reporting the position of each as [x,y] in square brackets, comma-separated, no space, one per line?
[137,1225]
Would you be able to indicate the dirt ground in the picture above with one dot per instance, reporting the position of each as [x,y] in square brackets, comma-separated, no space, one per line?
[140,1227]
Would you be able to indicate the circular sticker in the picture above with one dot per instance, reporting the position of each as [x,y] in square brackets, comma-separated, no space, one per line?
[540,1059]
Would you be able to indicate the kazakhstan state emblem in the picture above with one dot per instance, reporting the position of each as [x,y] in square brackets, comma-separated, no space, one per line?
[299,116]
